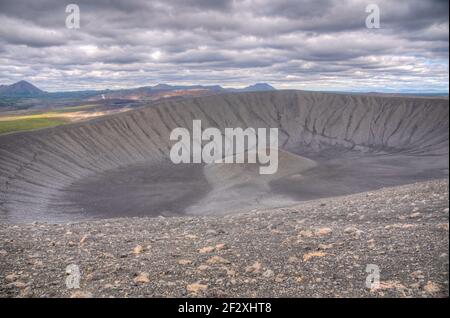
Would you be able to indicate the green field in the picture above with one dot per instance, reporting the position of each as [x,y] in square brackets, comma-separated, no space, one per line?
[74,108]
[29,123]
[29,120]
[12,121]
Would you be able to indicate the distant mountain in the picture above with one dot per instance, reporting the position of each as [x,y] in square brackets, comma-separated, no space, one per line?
[26,89]
[162,87]
[20,89]
[168,87]
[25,95]
[165,90]
[258,87]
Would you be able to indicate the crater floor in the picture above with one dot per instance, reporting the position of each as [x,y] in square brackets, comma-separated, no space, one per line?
[217,189]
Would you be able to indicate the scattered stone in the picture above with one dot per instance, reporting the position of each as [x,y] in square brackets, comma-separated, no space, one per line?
[108,255]
[220,247]
[230,272]
[81,294]
[196,288]
[325,246]
[443,226]
[142,278]
[184,261]
[293,259]
[390,284]
[279,278]
[207,249]
[306,233]
[352,230]
[399,226]
[268,273]
[298,279]
[417,275]
[17,284]
[26,292]
[138,250]
[324,231]
[11,277]
[255,268]
[217,260]
[83,239]
[310,255]
[431,288]
[203,267]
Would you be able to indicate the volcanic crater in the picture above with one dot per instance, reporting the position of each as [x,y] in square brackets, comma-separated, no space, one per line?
[118,166]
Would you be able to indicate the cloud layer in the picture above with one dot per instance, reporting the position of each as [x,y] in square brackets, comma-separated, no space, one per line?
[317,44]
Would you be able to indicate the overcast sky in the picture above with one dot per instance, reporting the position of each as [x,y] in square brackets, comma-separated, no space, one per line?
[312,45]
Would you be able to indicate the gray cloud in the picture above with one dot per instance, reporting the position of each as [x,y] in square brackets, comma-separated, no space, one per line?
[320,44]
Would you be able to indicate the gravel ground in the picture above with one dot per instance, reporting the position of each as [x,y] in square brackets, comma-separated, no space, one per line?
[320,248]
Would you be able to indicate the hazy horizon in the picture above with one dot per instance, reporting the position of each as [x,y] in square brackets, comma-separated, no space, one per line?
[244,86]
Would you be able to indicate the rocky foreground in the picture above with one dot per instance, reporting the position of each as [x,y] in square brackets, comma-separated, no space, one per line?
[321,248]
